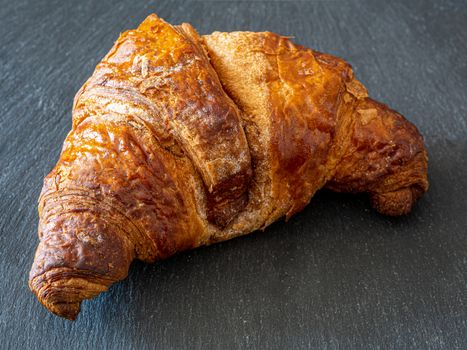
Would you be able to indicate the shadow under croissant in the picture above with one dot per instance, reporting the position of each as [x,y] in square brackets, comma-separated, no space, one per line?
[147,282]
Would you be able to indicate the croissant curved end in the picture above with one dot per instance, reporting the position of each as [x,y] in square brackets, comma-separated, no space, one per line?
[396,203]
[62,290]
[401,201]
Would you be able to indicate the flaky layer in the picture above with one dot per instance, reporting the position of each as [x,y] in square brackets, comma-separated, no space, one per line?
[180,141]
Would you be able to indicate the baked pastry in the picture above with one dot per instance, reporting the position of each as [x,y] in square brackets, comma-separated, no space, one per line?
[181,140]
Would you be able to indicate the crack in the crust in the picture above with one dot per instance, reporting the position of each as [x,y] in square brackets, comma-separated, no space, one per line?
[244,119]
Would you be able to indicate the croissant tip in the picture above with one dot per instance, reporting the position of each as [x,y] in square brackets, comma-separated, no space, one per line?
[396,203]
[61,291]
[68,311]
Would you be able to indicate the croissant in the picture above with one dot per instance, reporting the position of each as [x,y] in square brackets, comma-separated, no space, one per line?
[181,140]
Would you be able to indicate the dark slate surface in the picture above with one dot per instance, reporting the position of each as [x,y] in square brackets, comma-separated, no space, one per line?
[337,276]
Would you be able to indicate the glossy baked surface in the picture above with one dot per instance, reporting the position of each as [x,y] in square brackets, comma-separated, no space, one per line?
[180,141]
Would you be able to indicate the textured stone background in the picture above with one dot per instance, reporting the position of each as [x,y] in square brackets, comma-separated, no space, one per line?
[336,276]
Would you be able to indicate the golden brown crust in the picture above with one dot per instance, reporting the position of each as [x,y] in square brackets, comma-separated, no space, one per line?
[167,69]
[180,141]
[290,103]
[385,157]
[143,164]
